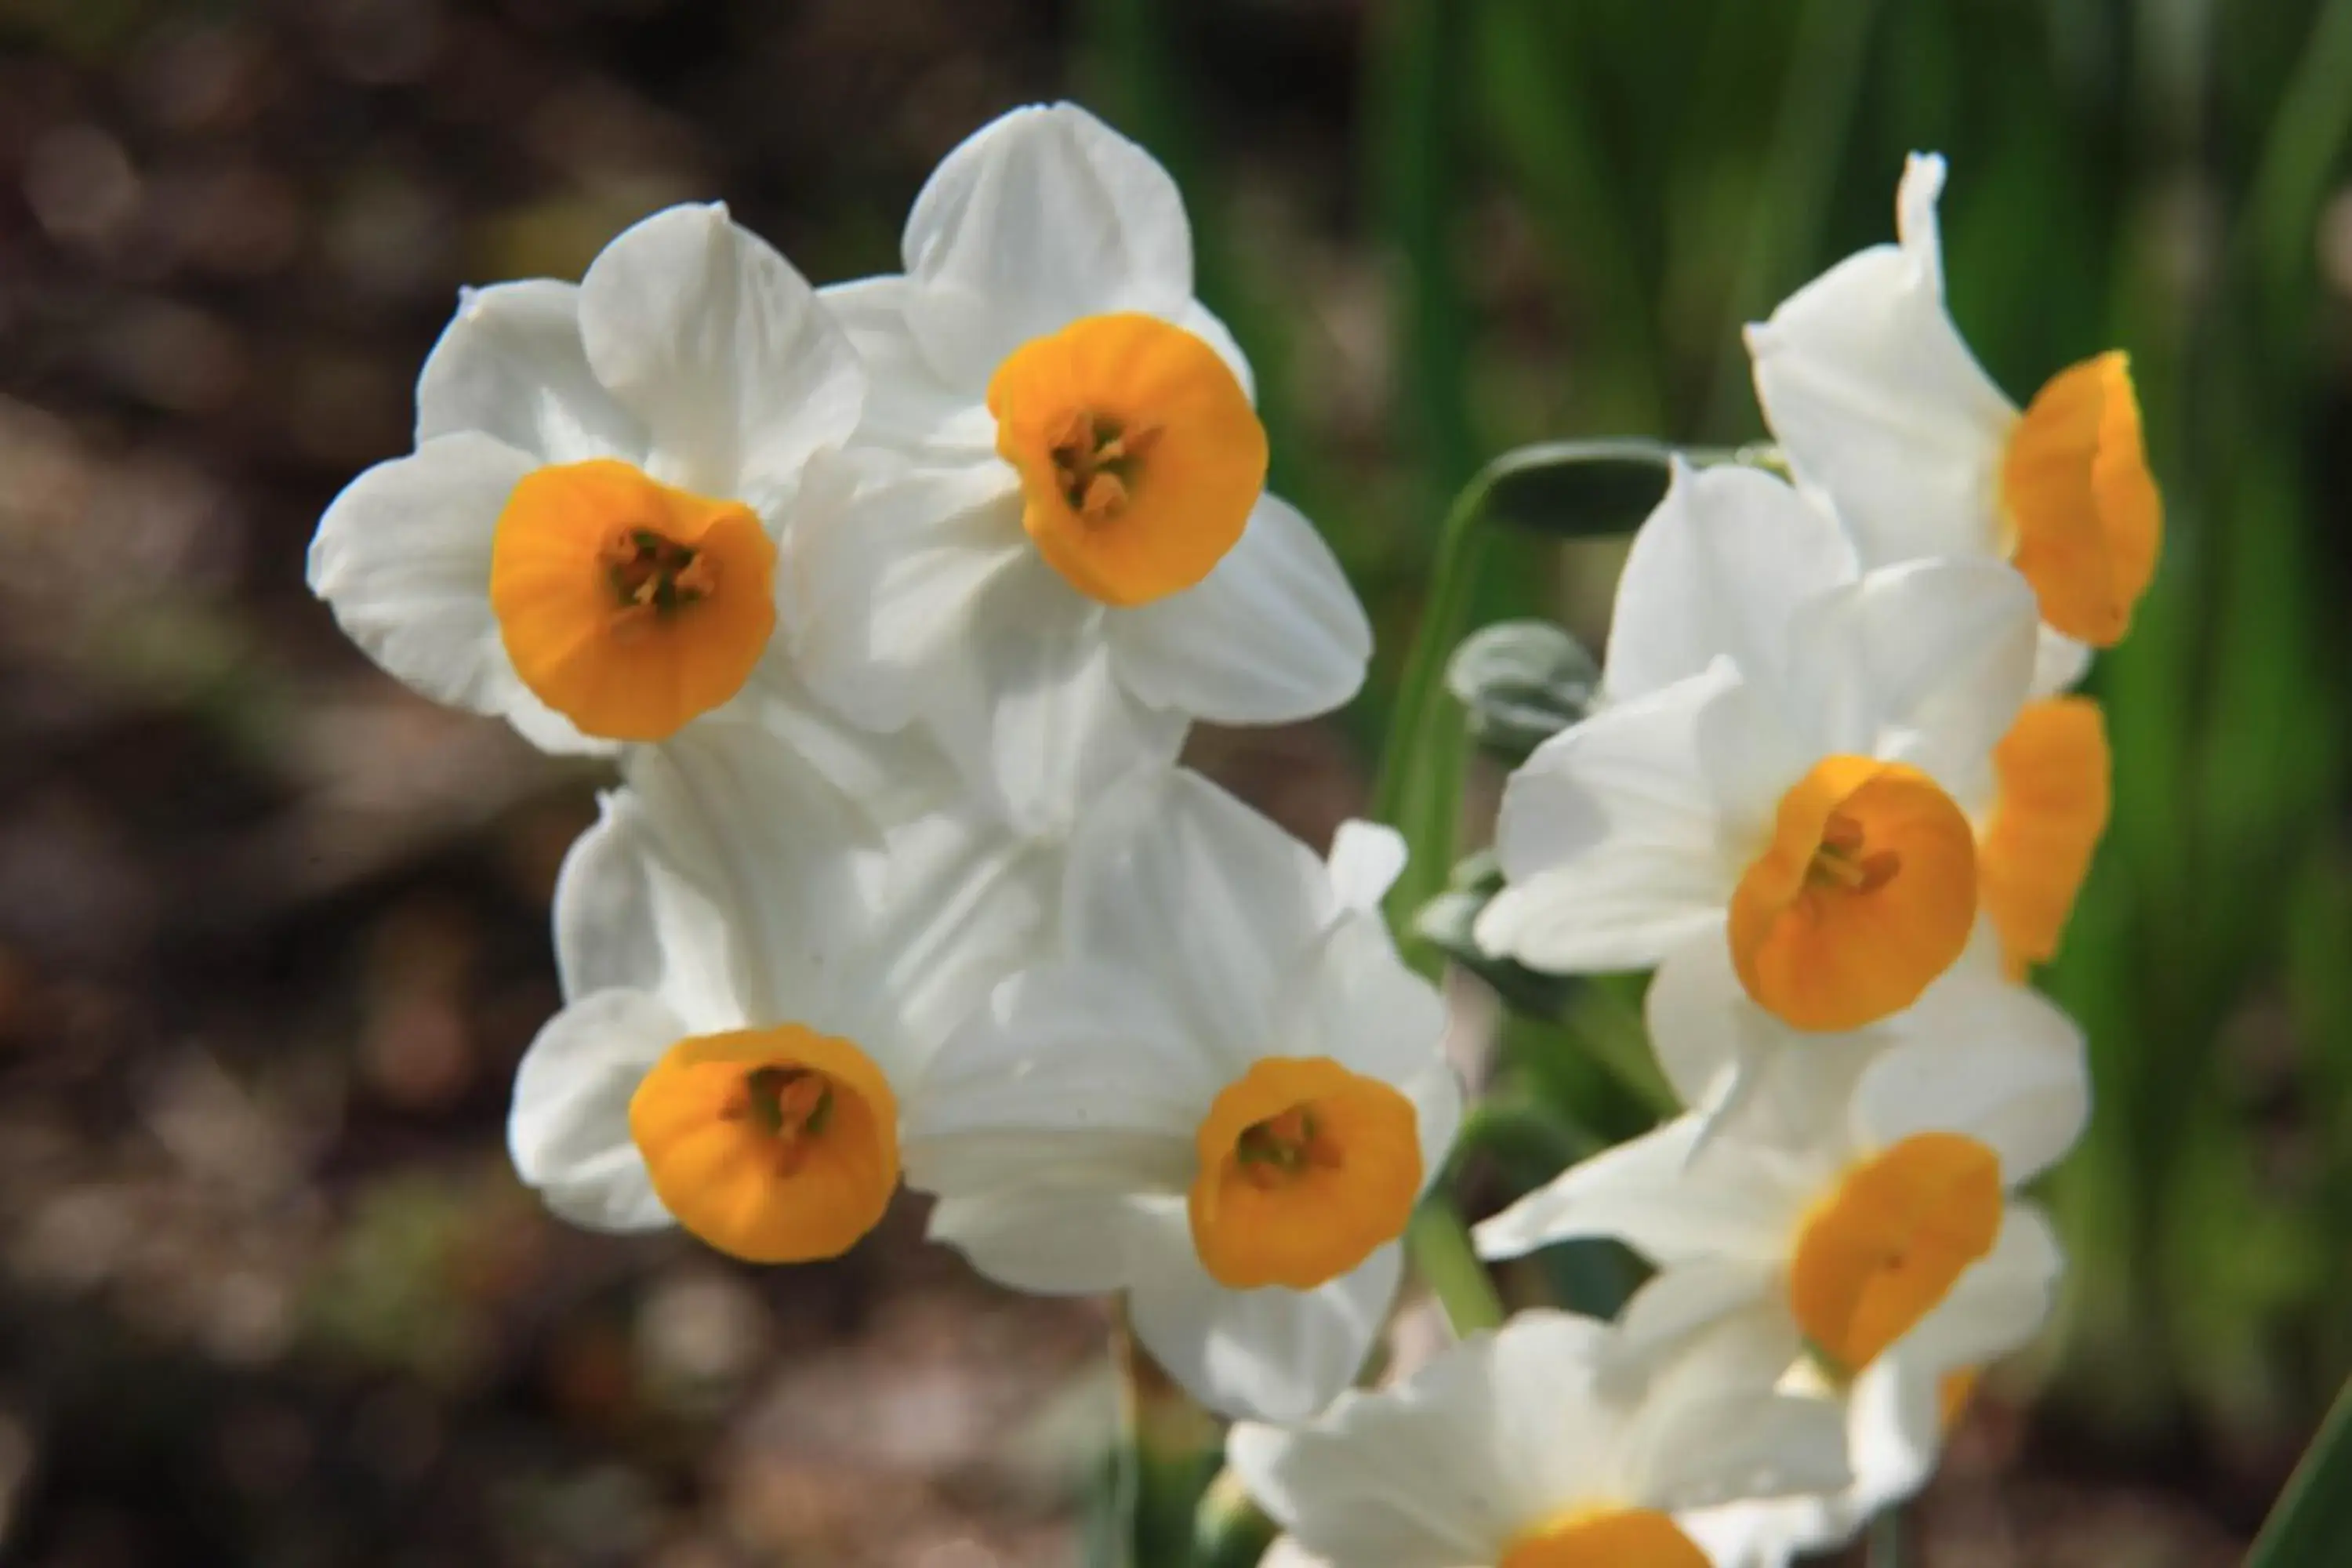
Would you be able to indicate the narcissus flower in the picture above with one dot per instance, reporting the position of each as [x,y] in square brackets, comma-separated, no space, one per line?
[1842,1248]
[754,977]
[1875,399]
[1072,553]
[1522,1449]
[585,540]
[1223,1099]
[1782,762]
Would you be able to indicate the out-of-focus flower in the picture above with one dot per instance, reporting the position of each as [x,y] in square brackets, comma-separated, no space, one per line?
[1523,1447]
[585,540]
[754,977]
[1782,763]
[1875,399]
[1223,1099]
[1069,554]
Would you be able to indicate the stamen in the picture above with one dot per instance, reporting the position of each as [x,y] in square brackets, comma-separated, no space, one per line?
[790,1105]
[1840,862]
[1282,1147]
[1095,463]
[652,575]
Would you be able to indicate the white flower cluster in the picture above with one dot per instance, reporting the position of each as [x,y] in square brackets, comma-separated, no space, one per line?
[894,602]
[1832,793]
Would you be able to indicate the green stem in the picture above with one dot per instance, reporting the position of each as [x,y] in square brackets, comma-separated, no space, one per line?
[1447,1262]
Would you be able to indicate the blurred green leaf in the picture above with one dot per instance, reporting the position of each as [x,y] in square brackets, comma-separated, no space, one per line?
[2312,1525]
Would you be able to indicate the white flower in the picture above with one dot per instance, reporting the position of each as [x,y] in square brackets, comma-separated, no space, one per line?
[1875,400]
[1076,556]
[585,540]
[1784,762]
[1867,1240]
[1224,1100]
[1523,1447]
[754,977]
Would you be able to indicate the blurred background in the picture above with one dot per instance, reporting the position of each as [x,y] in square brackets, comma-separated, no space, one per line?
[272,932]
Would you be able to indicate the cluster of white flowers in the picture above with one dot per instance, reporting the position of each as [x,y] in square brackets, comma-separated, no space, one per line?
[893,602]
[1832,793]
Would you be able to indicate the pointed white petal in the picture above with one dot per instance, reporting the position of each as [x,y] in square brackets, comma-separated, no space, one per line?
[720,348]
[1875,399]
[1171,877]
[1720,569]
[1691,1297]
[1609,834]
[1077,1241]
[625,919]
[1032,711]
[403,557]
[510,364]
[1042,215]
[568,1130]
[1273,634]
[2024,1092]
[1699,1445]
[1366,859]
[1271,1354]
[1649,1194]
[910,409]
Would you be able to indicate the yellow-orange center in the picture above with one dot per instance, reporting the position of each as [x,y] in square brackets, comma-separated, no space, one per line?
[1605,1538]
[627,605]
[1139,455]
[1305,1169]
[2085,520]
[2049,806]
[777,1145]
[1864,896]
[1954,1393]
[1877,1255]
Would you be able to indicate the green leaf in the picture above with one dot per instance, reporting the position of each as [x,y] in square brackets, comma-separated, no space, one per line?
[1522,682]
[1578,490]
[2312,1525]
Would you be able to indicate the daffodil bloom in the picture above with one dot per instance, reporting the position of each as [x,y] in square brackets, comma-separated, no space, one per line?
[586,538]
[754,977]
[1896,1234]
[1874,398]
[1523,1447]
[1224,1099]
[1784,762]
[1071,554]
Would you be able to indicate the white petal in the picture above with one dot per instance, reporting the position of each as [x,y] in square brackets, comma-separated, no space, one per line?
[403,556]
[1927,662]
[1873,397]
[510,365]
[965,904]
[1720,568]
[1361,1006]
[880,583]
[776,847]
[1171,877]
[1609,834]
[1069,1078]
[1273,634]
[2025,1092]
[1271,1354]
[712,339]
[569,1132]
[2059,663]
[1690,1297]
[1042,215]
[1032,711]
[1997,1306]
[909,409]
[1719,1443]
[1196,319]
[1045,1241]
[1366,859]
[1649,1194]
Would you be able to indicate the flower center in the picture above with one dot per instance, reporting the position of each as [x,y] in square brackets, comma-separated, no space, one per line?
[2085,519]
[1305,1169]
[629,606]
[1864,896]
[1139,455]
[1605,1538]
[776,1145]
[2049,806]
[1889,1244]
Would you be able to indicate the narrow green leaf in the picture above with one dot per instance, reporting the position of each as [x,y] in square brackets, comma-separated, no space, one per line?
[2312,1525]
